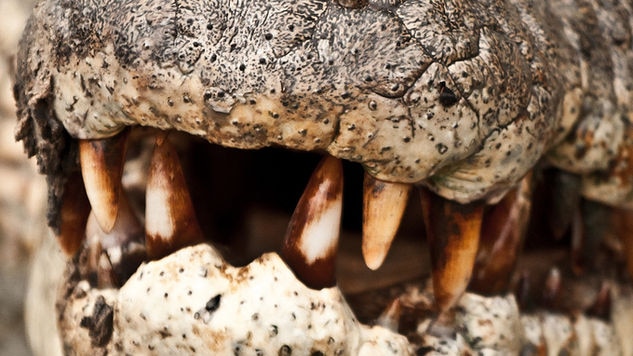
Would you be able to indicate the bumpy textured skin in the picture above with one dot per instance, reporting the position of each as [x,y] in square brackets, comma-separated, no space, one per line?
[462,96]
[193,303]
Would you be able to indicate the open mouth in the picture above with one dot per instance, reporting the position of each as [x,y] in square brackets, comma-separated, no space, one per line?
[157,203]
[134,112]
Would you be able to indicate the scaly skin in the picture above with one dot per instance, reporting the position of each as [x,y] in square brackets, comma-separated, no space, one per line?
[461,97]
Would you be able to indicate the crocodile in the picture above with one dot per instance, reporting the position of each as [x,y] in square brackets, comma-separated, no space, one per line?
[470,103]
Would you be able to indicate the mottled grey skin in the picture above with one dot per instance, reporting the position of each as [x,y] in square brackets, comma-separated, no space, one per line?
[462,96]
[598,148]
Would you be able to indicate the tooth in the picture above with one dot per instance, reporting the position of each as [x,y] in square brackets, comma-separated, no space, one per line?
[89,264]
[74,212]
[452,230]
[552,291]
[390,317]
[311,240]
[170,219]
[601,307]
[383,206]
[102,167]
[503,231]
[115,255]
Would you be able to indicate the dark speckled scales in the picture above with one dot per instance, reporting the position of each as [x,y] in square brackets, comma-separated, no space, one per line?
[462,96]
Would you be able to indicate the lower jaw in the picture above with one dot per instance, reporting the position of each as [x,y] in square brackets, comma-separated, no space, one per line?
[497,324]
[536,313]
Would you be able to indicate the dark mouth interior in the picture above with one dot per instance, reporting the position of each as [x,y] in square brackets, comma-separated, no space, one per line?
[229,184]
[244,200]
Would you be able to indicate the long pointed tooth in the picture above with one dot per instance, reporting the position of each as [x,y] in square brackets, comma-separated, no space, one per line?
[311,240]
[453,232]
[502,236]
[74,213]
[170,219]
[102,163]
[383,206]
[116,254]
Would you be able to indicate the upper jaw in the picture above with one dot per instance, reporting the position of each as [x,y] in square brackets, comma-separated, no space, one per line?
[427,126]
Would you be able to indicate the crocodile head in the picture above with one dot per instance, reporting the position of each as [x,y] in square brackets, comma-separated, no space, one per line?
[459,101]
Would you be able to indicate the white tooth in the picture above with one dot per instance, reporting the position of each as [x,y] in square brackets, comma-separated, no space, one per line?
[170,219]
[159,215]
[383,207]
[320,236]
[312,237]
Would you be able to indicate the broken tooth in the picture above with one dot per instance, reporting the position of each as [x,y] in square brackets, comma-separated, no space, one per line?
[170,218]
[311,240]
[383,207]
[453,231]
[102,163]
[503,231]
[74,212]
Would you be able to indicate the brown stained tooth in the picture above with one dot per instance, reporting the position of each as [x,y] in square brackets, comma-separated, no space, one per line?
[74,213]
[102,163]
[383,206]
[601,307]
[453,232]
[502,236]
[170,219]
[115,255]
[311,240]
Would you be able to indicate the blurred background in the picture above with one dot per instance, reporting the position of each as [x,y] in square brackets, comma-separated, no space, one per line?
[22,192]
